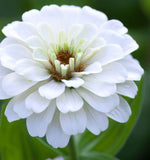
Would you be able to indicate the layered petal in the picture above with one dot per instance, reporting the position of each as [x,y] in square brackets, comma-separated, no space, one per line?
[33,16]
[114,25]
[13,53]
[19,105]
[121,113]
[96,121]
[50,14]
[36,102]
[10,41]
[73,122]
[113,73]
[20,108]
[102,89]
[14,84]
[32,70]
[20,30]
[88,33]
[102,104]
[126,42]
[35,42]
[4,71]
[3,94]
[106,54]
[90,15]
[46,33]
[37,123]
[8,62]
[73,82]
[90,69]
[9,112]
[96,43]
[52,89]
[69,101]
[133,67]
[127,88]
[40,55]
[71,15]
[55,135]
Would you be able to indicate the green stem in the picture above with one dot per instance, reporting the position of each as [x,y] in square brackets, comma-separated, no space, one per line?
[72,149]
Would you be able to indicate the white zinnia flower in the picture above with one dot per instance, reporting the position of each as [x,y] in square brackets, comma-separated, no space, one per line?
[66,69]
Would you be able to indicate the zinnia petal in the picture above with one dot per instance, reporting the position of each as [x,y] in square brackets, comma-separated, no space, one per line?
[55,135]
[96,121]
[36,102]
[37,123]
[77,121]
[127,88]
[121,113]
[14,84]
[102,104]
[69,101]
[52,89]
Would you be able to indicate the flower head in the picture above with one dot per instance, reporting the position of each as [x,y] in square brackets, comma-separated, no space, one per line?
[65,69]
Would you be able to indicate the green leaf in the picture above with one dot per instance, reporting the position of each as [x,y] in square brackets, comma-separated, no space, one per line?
[8,141]
[16,144]
[2,103]
[96,156]
[63,152]
[115,136]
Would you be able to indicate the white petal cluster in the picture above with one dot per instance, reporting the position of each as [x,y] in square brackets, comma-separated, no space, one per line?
[66,69]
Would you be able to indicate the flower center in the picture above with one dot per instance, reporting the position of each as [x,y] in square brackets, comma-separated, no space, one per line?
[64,62]
[64,56]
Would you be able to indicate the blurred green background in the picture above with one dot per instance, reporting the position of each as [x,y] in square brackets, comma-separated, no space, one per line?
[135,14]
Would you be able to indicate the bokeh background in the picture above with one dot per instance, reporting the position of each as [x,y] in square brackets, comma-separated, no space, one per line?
[135,15]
